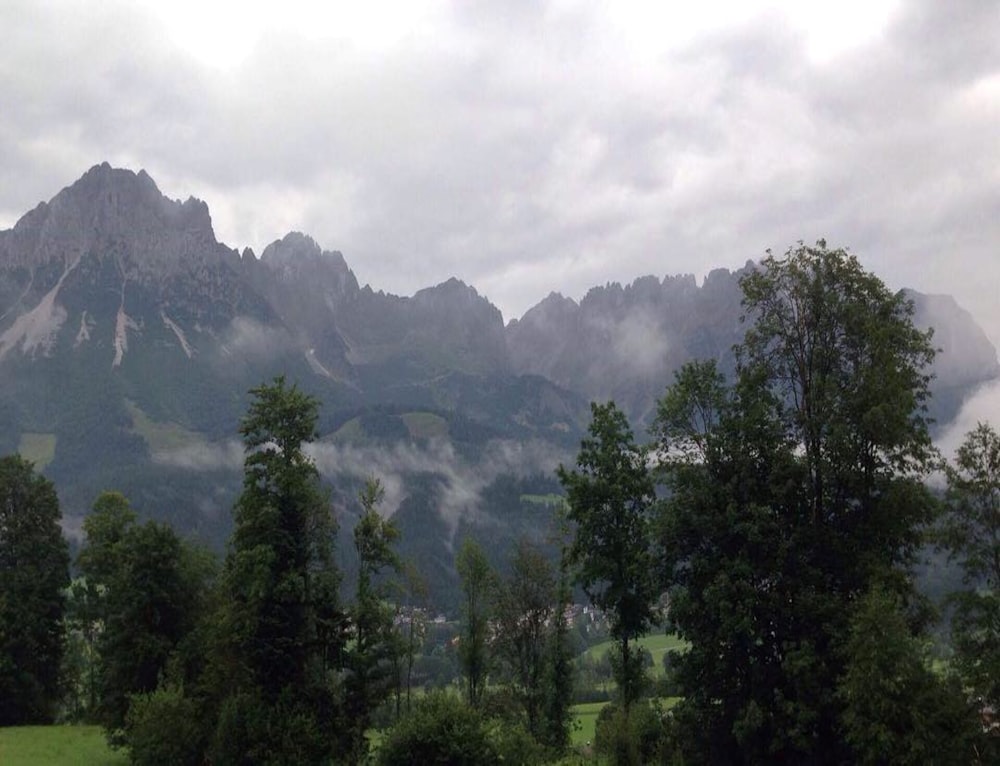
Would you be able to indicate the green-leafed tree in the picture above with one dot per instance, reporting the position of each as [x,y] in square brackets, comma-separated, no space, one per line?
[896,709]
[610,496]
[34,572]
[281,631]
[557,714]
[791,492]
[970,530]
[477,583]
[441,729]
[524,613]
[144,589]
[373,642]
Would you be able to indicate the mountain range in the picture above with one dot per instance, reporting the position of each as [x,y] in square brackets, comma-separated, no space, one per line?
[129,338]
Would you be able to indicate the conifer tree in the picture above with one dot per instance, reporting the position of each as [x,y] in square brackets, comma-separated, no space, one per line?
[34,571]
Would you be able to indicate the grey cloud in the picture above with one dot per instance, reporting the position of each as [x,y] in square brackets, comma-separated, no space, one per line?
[983,407]
[203,456]
[524,148]
[246,337]
[463,480]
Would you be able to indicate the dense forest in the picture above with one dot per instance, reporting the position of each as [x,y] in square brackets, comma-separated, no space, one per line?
[772,526]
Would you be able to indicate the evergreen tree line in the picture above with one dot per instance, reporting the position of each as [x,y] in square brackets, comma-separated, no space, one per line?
[258,661]
[779,514]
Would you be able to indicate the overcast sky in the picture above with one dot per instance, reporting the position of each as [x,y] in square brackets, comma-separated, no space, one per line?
[528,147]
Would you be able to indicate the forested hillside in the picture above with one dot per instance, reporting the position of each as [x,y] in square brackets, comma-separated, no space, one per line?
[129,337]
[772,526]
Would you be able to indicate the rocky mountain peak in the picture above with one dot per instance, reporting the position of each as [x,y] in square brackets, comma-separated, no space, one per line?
[113,212]
[306,284]
[454,293]
[297,257]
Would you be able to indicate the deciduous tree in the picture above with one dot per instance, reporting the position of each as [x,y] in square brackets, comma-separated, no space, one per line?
[477,583]
[804,489]
[610,496]
[526,604]
[970,530]
[896,709]
[144,588]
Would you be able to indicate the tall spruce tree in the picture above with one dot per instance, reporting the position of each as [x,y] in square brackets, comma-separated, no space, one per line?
[797,492]
[373,643]
[34,571]
[282,628]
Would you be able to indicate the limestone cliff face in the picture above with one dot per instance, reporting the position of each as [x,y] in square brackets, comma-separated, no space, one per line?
[113,272]
[129,338]
[110,265]
[624,343]
[110,260]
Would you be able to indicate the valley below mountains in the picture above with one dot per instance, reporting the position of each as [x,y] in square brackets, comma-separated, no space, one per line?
[129,338]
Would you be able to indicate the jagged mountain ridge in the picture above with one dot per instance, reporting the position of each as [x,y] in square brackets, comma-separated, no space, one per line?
[129,337]
[624,342]
[166,280]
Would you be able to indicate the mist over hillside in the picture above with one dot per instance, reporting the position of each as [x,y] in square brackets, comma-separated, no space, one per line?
[129,338]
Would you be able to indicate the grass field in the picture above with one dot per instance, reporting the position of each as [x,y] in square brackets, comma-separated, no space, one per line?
[658,644]
[160,437]
[57,746]
[38,448]
[425,425]
[585,719]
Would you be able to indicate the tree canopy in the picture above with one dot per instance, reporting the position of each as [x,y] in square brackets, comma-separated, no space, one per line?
[34,571]
[792,492]
[970,530]
[282,631]
[610,496]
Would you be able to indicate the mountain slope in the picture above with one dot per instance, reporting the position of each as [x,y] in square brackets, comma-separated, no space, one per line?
[129,337]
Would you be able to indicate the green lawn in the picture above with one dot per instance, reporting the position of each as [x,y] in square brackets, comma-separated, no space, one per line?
[550,500]
[658,644]
[584,721]
[57,746]
[160,437]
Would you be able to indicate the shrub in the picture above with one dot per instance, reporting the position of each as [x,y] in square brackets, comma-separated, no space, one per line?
[441,729]
[638,738]
[164,726]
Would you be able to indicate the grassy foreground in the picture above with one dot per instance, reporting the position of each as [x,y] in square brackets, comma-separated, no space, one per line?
[57,746]
[585,722]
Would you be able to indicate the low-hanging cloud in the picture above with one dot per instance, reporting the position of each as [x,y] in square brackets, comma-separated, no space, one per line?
[981,407]
[462,479]
[203,456]
[246,337]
